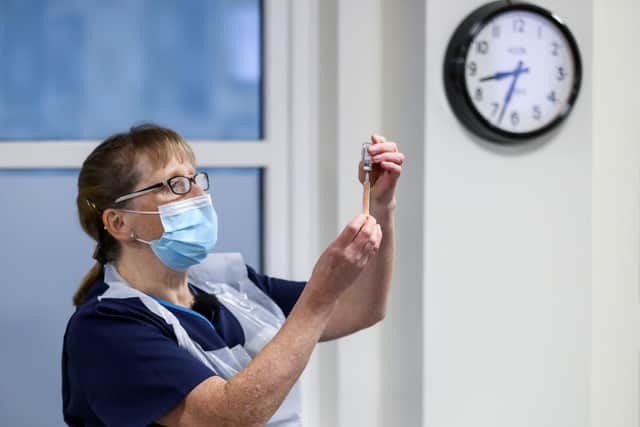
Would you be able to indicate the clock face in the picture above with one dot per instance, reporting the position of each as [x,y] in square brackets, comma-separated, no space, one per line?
[512,71]
[520,71]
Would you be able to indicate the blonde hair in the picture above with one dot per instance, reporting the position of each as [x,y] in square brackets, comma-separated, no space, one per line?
[111,171]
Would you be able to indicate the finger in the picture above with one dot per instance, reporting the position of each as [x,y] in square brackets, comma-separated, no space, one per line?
[383,147]
[368,252]
[393,168]
[366,235]
[363,253]
[378,139]
[371,248]
[378,237]
[397,158]
[375,240]
[352,229]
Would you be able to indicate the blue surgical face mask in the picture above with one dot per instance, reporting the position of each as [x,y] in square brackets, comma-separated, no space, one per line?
[190,232]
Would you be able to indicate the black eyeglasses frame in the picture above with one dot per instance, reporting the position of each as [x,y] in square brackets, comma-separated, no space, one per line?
[167,183]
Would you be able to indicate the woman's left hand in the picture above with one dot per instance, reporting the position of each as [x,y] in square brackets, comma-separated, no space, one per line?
[387,167]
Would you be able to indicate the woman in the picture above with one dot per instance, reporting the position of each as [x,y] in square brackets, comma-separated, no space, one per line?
[165,333]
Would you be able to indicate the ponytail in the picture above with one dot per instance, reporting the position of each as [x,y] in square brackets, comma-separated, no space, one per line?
[88,281]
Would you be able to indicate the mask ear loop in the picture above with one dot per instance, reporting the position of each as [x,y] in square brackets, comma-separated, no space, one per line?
[140,212]
[133,237]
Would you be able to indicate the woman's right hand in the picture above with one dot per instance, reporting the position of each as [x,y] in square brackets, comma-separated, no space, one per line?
[345,258]
[252,396]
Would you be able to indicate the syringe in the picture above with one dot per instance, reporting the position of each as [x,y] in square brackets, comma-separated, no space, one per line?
[366,167]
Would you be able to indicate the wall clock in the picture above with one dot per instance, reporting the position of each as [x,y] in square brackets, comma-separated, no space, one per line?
[512,71]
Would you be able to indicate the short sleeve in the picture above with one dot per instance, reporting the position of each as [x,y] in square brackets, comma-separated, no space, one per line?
[131,370]
[284,293]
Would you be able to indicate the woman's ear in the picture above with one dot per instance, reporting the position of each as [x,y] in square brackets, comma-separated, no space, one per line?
[116,223]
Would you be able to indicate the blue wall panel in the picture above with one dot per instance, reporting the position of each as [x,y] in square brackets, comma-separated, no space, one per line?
[84,69]
[43,256]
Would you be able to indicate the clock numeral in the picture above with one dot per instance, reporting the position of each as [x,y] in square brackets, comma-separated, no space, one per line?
[483,47]
[478,94]
[473,68]
[537,113]
[552,97]
[555,48]
[515,118]
[561,74]
[540,32]
[518,25]
[495,31]
[495,106]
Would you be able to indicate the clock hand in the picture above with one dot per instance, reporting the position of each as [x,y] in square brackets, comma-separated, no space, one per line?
[502,74]
[497,76]
[516,73]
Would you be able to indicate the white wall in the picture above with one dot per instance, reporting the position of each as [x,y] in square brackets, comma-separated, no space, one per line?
[616,210]
[360,373]
[507,255]
[367,65]
[493,319]
[403,113]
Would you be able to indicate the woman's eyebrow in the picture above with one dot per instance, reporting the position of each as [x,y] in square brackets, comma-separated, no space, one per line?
[178,172]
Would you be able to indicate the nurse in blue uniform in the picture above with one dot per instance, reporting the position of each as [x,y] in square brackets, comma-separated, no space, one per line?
[167,333]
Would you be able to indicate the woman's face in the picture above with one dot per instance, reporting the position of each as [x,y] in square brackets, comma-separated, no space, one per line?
[149,227]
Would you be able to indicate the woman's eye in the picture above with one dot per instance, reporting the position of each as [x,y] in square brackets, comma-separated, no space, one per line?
[181,186]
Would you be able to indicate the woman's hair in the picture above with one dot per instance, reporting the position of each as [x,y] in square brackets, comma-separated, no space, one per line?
[111,171]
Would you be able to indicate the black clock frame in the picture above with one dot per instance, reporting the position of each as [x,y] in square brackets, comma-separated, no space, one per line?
[455,67]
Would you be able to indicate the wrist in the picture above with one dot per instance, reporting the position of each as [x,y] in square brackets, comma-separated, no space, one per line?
[316,300]
[383,210]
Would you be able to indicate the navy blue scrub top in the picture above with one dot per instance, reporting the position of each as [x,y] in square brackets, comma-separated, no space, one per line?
[121,363]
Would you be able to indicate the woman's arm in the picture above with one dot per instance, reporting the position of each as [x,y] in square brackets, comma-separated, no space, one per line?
[365,303]
[252,396]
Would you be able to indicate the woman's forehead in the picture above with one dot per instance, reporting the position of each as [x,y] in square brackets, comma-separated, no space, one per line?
[163,152]
[151,170]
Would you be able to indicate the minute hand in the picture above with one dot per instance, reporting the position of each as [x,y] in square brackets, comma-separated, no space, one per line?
[516,73]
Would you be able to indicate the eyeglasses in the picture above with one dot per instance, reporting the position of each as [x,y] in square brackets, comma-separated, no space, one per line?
[177,184]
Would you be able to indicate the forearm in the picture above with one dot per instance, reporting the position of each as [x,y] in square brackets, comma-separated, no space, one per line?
[371,288]
[261,387]
[254,394]
[251,397]
[381,269]
[364,303]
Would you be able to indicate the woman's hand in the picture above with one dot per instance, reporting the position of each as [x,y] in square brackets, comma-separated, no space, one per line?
[346,257]
[387,167]
[253,395]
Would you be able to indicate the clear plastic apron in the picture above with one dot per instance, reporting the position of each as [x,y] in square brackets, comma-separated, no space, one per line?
[224,275]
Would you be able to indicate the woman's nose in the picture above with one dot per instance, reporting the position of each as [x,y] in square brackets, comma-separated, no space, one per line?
[196,190]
